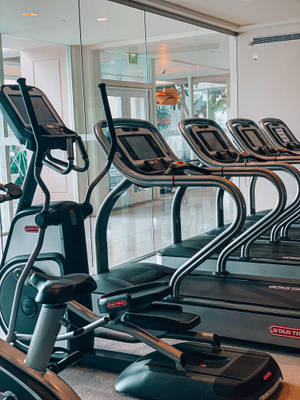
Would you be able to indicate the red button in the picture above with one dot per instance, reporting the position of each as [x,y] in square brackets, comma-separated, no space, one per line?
[179,162]
[267,375]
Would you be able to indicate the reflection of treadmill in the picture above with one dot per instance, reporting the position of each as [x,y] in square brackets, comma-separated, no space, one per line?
[280,135]
[250,138]
[214,149]
[242,307]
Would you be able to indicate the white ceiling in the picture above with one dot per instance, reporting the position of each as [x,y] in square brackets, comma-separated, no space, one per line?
[246,12]
[58,23]
[177,46]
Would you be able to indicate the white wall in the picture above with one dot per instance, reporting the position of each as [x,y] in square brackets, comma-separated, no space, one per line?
[269,86]
[46,68]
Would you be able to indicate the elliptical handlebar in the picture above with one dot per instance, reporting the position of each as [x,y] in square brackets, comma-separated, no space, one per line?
[110,124]
[33,122]
[65,167]
[11,190]
[40,145]
[113,143]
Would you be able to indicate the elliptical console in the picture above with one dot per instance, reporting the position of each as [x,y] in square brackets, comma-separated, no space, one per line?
[50,125]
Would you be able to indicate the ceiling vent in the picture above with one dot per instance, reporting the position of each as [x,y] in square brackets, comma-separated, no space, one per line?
[277,38]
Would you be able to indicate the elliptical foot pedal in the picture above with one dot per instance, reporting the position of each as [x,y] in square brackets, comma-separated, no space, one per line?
[228,375]
[163,317]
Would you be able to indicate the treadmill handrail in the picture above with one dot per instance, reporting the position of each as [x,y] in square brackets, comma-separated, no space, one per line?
[291,214]
[283,218]
[250,234]
[186,181]
[248,237]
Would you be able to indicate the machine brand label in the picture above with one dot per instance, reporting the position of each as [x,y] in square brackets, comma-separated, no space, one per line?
[285,331]
[285,288]
[31,228]
[116,303]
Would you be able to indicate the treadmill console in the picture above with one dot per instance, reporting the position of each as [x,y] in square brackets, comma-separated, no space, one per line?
[251,137]
[50,124]
[140,149]
[210,140]
[280,133]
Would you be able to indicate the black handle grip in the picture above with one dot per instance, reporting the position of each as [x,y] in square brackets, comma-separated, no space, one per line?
[110,123]
[64,167]
[12,191]
[84,156]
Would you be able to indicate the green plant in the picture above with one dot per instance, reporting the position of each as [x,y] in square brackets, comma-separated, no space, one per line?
[217,102]
[18,163]
[163,117]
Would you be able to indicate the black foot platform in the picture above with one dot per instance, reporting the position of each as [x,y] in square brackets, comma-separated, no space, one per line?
[208,375]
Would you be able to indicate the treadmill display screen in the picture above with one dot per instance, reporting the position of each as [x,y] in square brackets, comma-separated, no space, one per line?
[281,133]
[141,147]
[43,113]
[255,140]
[212,141]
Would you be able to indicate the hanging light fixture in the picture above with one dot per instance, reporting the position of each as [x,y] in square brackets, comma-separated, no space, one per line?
[167,97]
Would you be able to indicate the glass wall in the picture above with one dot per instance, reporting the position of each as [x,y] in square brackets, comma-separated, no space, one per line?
[155,68]
[36,46]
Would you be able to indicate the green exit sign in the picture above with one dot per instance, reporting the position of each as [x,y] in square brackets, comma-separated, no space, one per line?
[133,58]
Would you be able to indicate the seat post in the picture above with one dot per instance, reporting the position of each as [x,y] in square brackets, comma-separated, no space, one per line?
[44,336]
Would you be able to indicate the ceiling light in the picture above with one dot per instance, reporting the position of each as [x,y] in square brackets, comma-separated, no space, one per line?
[30,14]
[102,19]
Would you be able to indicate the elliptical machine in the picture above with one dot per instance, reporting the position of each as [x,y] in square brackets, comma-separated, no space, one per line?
[29,378]
[17,381]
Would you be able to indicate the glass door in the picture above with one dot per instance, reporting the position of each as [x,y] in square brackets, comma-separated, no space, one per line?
[128,103]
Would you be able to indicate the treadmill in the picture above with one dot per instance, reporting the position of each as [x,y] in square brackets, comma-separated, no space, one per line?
[280,135]
[237,306]
[250,138]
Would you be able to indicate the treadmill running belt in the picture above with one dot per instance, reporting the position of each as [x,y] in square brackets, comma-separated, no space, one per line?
[255,292]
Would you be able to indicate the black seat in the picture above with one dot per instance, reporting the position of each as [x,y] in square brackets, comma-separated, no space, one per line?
[58,290]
